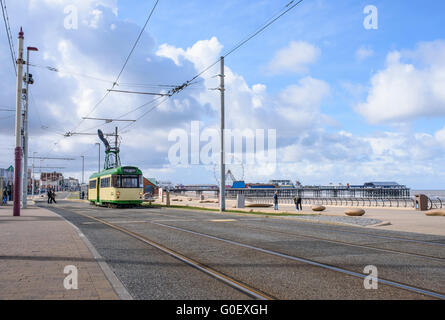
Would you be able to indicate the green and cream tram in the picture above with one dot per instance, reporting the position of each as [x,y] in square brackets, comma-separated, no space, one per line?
[117,187]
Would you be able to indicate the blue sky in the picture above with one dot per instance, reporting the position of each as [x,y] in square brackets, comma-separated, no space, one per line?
[349,104]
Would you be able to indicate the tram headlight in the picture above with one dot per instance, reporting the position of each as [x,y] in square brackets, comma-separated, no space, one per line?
[118,194]
[140,195]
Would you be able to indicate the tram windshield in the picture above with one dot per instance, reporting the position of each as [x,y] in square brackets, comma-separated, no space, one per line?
[125,181]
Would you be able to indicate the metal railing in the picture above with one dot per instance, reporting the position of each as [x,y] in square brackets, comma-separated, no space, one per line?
[437,203]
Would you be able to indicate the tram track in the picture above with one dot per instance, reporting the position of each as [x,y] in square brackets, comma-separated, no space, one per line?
[418,255]
[395,284]
[393,238]
[234,283]
[252,292]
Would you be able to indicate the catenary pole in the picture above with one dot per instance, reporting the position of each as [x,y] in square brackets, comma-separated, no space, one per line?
[222,182]
[28,81]
[18,126]
[98,165]
[83,169]
[32,176]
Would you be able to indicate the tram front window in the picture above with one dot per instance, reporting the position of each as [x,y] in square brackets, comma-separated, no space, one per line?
[130,182]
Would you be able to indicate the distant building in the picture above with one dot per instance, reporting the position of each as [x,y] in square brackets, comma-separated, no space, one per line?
[7,175]
[71,184]
[384,185]
[51,180]
[239,185]
[261,186]
[166,185]
[151,186]
[282,183]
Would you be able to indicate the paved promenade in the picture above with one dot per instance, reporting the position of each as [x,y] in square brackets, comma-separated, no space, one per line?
[395,219]
[162,254]
[34,250]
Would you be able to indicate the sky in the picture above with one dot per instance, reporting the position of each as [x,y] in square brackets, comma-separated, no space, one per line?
[348,103]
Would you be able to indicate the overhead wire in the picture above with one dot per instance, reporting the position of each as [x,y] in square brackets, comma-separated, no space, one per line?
[174,90]
[120,73]
[9,34]
[288,7]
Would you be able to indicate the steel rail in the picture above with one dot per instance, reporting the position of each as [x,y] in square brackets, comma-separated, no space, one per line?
[254,293]
[311,262]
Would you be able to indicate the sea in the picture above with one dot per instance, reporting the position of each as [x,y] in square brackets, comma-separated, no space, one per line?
[430,193]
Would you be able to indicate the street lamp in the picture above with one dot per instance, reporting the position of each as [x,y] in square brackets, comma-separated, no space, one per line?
[98,166]
[28,80]
[32,177]
[83,168]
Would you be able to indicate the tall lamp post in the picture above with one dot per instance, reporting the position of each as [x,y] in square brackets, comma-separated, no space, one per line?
[83,168]
[33,181]
[18,127]
[28,80]
[98,165]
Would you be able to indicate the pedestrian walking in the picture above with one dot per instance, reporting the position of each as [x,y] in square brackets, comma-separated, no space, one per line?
[53,196]
[48,193]
[296,202]
[4,197]
[275,200]
[299,201]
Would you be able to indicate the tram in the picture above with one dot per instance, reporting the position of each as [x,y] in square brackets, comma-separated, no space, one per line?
[116,187]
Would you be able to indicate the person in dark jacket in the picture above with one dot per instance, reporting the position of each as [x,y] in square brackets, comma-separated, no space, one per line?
[49,194]
[5,197]
[53,195]
[299,206]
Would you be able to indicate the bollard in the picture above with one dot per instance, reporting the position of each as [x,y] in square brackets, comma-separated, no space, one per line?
[167,196]
[161,195]
[421,202]
[240,201]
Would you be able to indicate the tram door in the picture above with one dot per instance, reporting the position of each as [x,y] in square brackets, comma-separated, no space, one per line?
[98,190]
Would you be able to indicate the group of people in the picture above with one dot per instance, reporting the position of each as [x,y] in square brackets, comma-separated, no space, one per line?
[51,195]
[297,200]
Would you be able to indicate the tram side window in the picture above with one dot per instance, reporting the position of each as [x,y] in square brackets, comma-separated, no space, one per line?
[93,184]
[116,181]
[105,183]
[130,181]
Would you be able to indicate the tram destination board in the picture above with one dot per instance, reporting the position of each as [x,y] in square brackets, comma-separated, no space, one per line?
[129,170]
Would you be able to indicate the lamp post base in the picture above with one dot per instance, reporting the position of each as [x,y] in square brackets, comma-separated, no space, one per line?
[17,168]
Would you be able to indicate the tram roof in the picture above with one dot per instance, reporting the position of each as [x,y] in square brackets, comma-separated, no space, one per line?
[118,170]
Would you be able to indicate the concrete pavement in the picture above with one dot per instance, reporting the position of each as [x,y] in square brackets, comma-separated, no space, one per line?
[286,259]
[34,250]
[398,219]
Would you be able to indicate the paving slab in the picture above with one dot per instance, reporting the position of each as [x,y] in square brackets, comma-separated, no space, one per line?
[35,248]
[395,219]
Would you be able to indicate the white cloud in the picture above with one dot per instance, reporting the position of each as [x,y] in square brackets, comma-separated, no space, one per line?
[292,110]
[202,54]
[404,91]
[363,53]
[321,157]
[307,148]
[440,137]
[294,58]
